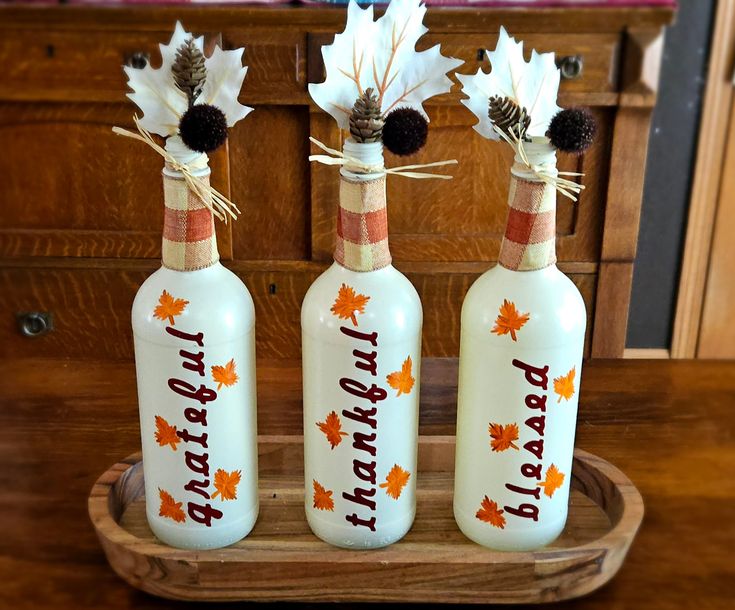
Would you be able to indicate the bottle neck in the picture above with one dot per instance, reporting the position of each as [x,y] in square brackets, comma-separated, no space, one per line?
[189,240]
[362,216]
[529,242]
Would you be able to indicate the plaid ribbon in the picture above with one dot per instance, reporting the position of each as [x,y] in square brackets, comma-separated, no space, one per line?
[362,225]
[189,241]
[529,242]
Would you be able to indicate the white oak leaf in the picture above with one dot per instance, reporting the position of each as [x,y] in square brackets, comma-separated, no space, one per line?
[534,85]
[382,55]
[225,75]
[154,89]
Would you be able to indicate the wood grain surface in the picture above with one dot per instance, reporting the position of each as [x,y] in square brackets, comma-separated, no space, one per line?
[74,191]
[667,424]
[281,560]
[91,305]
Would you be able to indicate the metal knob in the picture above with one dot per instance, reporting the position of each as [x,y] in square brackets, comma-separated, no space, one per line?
[34,323]
[138,59]
[570,66]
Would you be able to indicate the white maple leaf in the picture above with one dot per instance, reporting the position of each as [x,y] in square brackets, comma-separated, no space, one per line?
[381,54]
[225,75]
[533,85]
[163,103]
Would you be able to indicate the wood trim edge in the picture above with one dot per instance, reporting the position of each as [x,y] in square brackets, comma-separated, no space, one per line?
[705,184]
[646,353]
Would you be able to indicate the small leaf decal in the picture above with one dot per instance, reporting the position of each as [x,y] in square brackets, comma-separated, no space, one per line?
[554,480]
[402,381]
[166,433]
[170,508]
[332,428]
[490,513]
[503,436]
[395,481]
[322,498]
[168,307]
[509,320]
[348,304]
[226,484]
[564,385]
[225,375]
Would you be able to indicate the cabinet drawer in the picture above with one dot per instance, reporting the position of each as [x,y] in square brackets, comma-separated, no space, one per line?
[86,66]
[589,62]
[89,306]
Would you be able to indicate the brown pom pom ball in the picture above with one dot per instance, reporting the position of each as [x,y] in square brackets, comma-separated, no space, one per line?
[572,130]
[203,128]
[405,131]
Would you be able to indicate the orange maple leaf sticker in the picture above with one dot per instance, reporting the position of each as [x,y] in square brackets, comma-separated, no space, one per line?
[554,480]
[509,320]
[503,436]
[395,481]
[490,513]
[226,484]
[402,380]
[168,307]
[322,498]
[170,508]
[225,375]
[564,385]
[348,303]
[166,433]
[332,427]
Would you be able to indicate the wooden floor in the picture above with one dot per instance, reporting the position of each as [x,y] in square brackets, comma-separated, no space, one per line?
[669,425]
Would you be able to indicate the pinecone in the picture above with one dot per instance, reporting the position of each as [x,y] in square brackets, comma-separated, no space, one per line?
[509,117]
[189,70]
[366,120]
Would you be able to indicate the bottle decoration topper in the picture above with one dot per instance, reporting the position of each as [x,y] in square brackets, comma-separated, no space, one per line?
[192,98]
[376,83]
[516,103]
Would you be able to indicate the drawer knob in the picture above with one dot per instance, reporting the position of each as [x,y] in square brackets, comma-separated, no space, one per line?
[137,60]
[34,323]
[570,66]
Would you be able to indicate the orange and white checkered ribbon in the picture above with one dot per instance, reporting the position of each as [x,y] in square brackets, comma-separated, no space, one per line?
[362,225]
[529,242]
[189,240]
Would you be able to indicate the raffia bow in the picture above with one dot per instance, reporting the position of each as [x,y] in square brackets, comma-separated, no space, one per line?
[337,157]
[215,201]
[545,173]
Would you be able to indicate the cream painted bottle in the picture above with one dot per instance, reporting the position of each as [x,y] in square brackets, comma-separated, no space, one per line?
[361,328]
[193,324]
[522,337]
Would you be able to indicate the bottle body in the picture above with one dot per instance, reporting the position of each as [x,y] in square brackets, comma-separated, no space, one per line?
[517,407]
[361,365]
[521,346]
[197,400]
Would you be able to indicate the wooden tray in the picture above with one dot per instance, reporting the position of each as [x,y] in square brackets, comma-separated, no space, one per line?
[282,560]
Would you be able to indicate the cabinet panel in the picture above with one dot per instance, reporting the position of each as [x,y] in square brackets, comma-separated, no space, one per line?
[463,219]
[270,184]
[276,62]
[73,188]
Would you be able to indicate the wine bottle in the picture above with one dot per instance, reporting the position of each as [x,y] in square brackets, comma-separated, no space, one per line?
[522,337]
[193,325]
[361,327]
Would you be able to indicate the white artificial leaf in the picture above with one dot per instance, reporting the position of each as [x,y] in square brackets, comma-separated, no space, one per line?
[381,54]
[532,85]
[154,90]
[225,75]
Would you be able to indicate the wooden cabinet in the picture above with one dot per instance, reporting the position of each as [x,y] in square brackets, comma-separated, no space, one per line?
[81,213]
